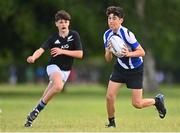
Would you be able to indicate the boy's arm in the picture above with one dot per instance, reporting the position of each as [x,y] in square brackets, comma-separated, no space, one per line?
[139,51]
[73,53]
[36,55]
[108,55]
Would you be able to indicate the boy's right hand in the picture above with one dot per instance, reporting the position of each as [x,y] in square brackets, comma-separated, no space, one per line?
[109,48]
[30,59]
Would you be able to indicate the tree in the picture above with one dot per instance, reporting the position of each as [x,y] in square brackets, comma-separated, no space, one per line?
[150,82]
[26,24]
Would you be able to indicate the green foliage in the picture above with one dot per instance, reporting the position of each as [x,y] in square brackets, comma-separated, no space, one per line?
[25,25]
[7,9]
[163,32]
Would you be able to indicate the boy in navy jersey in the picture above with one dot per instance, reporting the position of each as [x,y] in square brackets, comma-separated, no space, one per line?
[65,45]
[128,69]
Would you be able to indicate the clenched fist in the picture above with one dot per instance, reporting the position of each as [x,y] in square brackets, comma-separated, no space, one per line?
[30,59]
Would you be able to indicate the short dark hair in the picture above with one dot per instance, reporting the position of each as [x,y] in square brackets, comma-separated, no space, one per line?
[115,10]
[62,15]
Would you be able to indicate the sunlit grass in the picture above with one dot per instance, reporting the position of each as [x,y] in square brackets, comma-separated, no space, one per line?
[82,108]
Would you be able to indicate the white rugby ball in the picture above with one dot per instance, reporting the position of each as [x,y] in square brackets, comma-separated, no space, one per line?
[117,44]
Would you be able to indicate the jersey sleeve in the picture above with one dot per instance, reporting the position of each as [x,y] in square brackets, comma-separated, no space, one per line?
[106,36]
[131,39]
[105,41]
[77,41]
[47,43]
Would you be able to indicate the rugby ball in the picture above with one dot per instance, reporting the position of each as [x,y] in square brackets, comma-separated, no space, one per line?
[117,44]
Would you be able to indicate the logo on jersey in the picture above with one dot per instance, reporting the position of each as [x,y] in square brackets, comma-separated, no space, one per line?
[70,38]
[65,46]
[57,42]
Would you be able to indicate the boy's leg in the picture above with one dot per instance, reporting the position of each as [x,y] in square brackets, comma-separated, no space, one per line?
[53,88]
[139,102]
[57,87]
[110,101]
[33,115]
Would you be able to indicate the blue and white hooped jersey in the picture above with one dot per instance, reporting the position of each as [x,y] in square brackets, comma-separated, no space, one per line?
[132,44]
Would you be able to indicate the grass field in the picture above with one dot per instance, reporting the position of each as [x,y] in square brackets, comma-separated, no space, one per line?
[82,108]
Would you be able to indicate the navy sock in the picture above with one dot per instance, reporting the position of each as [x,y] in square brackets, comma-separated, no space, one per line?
[40,106]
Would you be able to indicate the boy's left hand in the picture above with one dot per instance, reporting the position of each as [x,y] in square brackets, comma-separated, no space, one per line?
[56,51]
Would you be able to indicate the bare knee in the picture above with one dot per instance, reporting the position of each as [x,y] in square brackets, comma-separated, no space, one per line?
[137,105]
[58,87]
[110,97]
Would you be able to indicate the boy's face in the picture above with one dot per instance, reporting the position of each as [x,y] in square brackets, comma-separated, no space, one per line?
[63,25]
[114,22]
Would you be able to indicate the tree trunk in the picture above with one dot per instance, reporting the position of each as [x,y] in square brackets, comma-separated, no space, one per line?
[150,82]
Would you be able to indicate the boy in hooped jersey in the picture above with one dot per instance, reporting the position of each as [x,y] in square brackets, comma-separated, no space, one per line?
[128,69]
[65,45]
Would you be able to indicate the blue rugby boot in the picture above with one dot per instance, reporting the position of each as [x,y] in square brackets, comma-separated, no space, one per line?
[160,105]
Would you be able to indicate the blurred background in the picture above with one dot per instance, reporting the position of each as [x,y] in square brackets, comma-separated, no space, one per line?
[25,25]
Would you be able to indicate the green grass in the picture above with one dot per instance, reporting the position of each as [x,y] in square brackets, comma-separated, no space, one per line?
[82,108]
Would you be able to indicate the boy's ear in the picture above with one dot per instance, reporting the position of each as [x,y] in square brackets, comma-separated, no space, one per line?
[122,20]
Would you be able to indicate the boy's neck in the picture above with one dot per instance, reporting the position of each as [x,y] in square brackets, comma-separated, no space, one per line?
[64,33]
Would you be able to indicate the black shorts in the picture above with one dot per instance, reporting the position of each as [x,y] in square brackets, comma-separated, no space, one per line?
[132,77]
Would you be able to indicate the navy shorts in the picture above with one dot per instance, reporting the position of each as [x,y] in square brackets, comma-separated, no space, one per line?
[133,78]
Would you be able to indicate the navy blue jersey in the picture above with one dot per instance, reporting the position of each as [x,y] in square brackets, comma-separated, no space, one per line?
[132,44]
[71,42]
